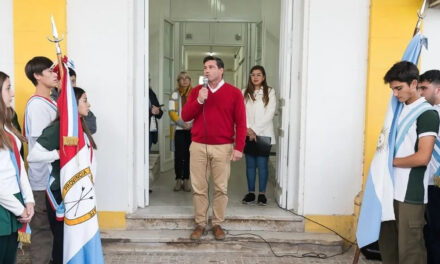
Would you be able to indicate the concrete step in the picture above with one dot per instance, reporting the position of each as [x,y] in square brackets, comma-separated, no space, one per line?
[136,241]
[181,217]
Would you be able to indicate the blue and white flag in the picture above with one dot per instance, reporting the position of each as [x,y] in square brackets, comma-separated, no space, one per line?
[377,203]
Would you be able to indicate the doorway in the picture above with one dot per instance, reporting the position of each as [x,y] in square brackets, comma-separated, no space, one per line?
[241,44]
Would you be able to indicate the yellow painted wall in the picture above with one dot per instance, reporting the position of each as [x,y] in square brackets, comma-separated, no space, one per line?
[342,224]
[31,28]
[111,220]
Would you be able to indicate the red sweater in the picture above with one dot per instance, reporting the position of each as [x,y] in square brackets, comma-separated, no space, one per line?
[225,115]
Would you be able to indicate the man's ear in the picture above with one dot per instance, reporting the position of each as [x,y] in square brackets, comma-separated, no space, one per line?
[37,76]
[414,84]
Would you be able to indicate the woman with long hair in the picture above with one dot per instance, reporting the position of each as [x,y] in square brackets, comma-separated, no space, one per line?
[260,103]
[16,198]
[180,132]
[47,150]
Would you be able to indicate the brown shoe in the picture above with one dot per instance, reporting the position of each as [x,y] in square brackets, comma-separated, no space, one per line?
[218,232]
[197,233]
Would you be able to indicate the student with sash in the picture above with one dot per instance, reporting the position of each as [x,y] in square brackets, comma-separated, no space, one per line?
[47,149]
[401,240]
[91,118]
[429,86]
[16,198]
[180,132]
[40,111]
[261,104]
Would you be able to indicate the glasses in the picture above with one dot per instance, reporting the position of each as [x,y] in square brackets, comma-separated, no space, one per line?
[185,78]
[256,75]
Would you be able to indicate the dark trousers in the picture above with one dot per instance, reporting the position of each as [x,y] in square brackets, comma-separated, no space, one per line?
[8,248]
[182,141]
[401,241]
[432,227]
[57,228]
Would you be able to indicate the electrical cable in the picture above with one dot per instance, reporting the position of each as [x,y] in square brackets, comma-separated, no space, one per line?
[318,255]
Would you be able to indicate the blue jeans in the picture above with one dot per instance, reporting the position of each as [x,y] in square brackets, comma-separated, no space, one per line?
[252,163]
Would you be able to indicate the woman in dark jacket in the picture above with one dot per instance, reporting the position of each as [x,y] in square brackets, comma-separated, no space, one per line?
[155,113]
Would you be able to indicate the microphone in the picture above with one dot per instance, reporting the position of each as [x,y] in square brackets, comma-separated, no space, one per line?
[205,85]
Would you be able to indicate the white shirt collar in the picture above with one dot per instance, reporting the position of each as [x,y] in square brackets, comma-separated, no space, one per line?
[220,84]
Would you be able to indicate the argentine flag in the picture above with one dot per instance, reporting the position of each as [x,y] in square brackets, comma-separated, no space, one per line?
[82,242]
[377,203]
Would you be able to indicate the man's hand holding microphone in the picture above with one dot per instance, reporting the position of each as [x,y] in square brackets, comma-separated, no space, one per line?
[203,92]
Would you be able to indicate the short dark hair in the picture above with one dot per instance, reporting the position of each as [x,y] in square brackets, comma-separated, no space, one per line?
[72,72]
[36,66]
[432,76]
[219,61]
[403,71]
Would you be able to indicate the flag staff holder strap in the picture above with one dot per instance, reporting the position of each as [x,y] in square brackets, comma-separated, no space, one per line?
[421,15]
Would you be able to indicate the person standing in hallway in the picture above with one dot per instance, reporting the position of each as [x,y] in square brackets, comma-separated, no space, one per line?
[429,86]
[40,111]
[16,198]
[219,115]
[155,112]
[180,132]
[260,103]
[401,240]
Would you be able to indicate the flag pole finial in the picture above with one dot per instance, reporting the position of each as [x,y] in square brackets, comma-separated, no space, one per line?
[421,15]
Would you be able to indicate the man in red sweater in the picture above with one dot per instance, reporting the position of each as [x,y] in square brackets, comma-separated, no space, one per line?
[219,118]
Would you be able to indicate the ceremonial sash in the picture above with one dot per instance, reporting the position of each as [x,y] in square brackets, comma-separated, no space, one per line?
[408,121]
[436,155]
[24,233]
[36,97]
[57,207]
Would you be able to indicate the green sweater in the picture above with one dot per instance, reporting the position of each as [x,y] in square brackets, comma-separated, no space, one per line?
[50,140]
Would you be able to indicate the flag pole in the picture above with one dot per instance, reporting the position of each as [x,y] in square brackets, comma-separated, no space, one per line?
[421,15]
[57,41]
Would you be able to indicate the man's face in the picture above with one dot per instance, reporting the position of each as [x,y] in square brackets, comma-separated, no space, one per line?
[404,92]
[430,91]
[47,78]
[212,72]
[73,80]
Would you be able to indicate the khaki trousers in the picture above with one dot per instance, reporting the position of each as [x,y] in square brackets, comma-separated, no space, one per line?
[401,241]
[208,160]
[41,236]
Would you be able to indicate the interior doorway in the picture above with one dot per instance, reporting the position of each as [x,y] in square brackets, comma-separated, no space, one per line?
[241,41]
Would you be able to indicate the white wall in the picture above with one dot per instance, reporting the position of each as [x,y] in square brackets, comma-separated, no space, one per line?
[7,39]
[335,104]
[100,43]
[430,58]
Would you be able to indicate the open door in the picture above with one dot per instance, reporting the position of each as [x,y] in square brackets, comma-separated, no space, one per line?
[168,85]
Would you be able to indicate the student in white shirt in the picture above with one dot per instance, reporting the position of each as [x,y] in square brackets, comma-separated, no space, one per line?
[16,199]
[260,103]
[40,111]
[429,86]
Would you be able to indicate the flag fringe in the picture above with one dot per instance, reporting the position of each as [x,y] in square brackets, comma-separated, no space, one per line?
[24,237]
[70,141]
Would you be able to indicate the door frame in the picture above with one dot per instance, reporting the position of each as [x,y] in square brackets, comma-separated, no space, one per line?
[293,55]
